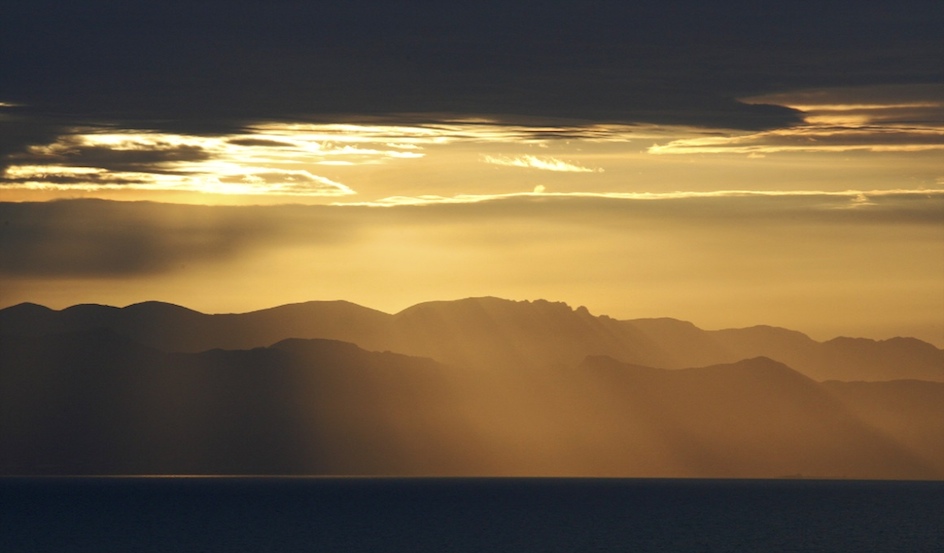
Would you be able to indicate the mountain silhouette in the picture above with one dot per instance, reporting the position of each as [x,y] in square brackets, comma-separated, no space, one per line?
[759,417]
[173,328]
[492,333]
[97,402]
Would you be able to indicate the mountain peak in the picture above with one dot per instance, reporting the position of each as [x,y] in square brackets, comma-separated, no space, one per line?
[316,305]
[27,306]
[665,322]
[308,346]
[88,307]
[769,331]
[761,368]
[25,316]
[495,304]
[158,306]
[26,309]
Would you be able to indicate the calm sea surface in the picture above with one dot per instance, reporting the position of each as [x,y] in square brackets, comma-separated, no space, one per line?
[236,515]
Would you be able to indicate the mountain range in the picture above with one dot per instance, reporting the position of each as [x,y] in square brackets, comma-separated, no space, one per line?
[486,332]
[481,386]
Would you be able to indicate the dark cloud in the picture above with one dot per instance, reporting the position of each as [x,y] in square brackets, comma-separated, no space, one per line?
[19,131]
[67,179]
[260,142]
[143,157]
[212,66]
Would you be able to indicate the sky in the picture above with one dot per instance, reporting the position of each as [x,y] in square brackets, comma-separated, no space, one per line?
[729,164]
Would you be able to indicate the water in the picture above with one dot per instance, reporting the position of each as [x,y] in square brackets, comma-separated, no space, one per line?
[235,515]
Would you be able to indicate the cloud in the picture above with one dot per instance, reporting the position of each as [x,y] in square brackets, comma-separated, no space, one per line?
[900,118]
[784,200]
[131,154]
[417,131]
[900,103]
[287,182]
[89,160]
[264,142]
[544,163]
[70,178]
[91,157]
[280,161]
[274,158]
[811,138]
[247,181]
[19,131]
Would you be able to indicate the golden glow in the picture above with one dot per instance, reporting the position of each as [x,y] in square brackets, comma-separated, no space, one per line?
[733,228]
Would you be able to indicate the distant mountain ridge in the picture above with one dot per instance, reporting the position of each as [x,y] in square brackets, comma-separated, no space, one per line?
[492,332]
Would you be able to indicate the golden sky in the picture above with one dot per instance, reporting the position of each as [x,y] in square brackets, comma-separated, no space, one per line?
[832,227]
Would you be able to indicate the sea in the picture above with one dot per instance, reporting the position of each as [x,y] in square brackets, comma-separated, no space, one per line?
[453,515]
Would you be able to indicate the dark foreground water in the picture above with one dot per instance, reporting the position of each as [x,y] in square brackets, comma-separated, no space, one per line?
[235,515]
